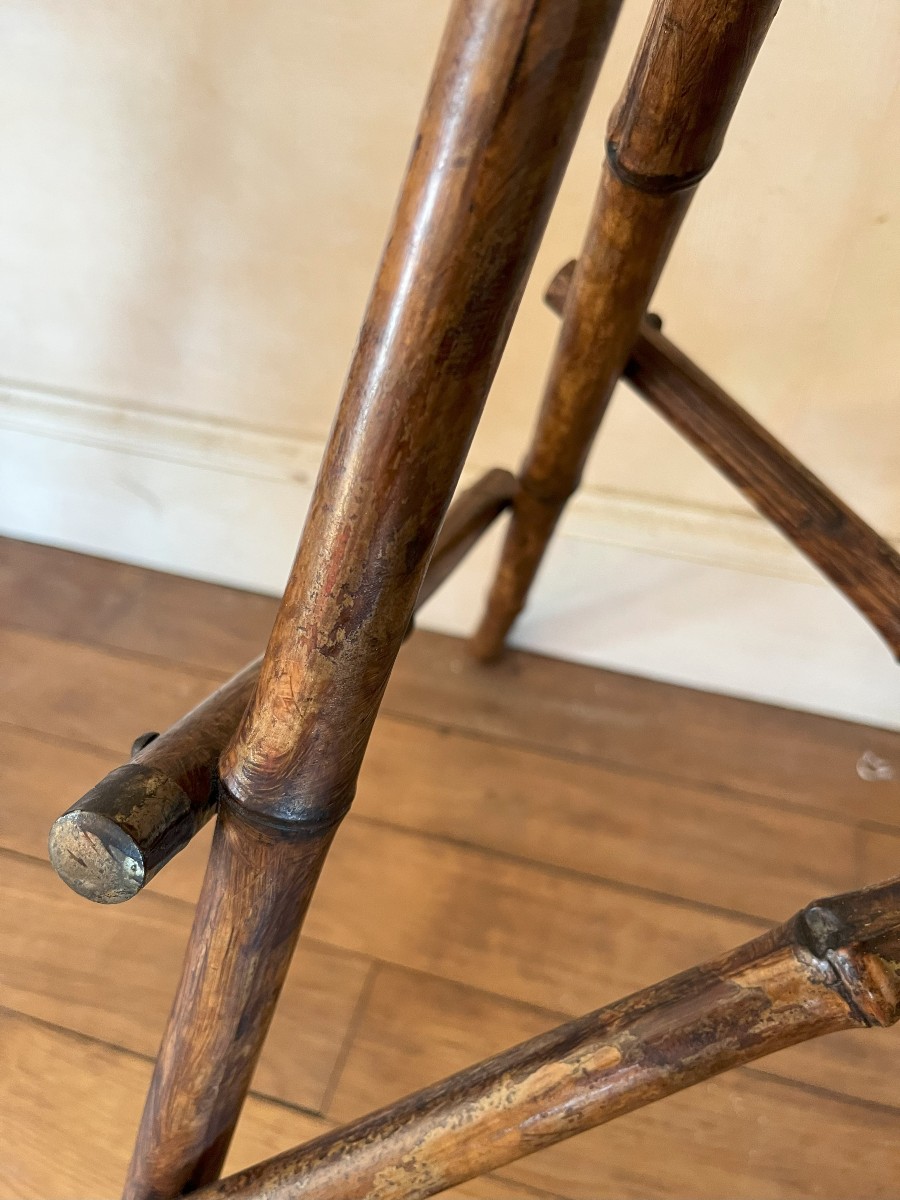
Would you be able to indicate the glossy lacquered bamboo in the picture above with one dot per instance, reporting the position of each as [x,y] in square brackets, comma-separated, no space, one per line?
[112,841]
[663,138]
[835,966]
[505,104]
[507,98]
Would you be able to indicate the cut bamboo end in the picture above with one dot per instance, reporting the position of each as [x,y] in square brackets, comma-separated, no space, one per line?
[109,844]
[123,831]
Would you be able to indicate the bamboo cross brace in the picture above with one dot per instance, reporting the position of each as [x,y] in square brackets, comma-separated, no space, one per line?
[834,966]
[112,841]
[860,563]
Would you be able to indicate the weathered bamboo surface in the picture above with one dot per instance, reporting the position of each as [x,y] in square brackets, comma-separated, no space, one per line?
[834,966]
[506,101]
[507,97]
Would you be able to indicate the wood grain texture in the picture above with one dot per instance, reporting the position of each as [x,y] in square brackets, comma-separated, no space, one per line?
[417,1028]
[508,94]
[33,686]
[750,1133]
[649,728]
[466,882]
[728,850]
[118,835]
[61,969]
[746,1135]
[70,1105]
[563,709]
[692,64]
[750,1138]
[103,603]
[761,859]
[61,1095]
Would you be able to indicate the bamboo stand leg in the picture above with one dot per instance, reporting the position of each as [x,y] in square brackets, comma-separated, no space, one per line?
[664,137]
[507,98]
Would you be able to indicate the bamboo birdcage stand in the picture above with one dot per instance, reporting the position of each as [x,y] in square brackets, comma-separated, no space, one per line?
[275,753]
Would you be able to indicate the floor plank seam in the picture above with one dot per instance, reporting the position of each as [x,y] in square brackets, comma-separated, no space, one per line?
[617,767]
[818,1089]
[214,675]
[79,1036]
[353,1027]
[560,872]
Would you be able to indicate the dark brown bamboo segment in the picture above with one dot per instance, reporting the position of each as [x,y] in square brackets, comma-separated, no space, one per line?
[834,966]
[121,833]
[470,515]
[255,894]
[479,189]
[112,841]
[665,135]
[507,98]
[859,562]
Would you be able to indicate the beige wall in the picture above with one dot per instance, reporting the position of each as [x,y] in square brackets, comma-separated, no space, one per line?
[196,191]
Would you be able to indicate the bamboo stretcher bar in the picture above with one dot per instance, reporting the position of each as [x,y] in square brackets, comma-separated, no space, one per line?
[860,563]
[507,98]
[834,966]
[111,842]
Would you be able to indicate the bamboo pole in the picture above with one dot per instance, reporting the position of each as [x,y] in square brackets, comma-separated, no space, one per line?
[663,138]
[860,563]
[117,837]
[834,966]
[507,98]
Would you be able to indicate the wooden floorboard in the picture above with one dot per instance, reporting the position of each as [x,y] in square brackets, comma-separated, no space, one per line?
[624,722]
[70,1107]
[111,973]
[546,836]
[745,1135]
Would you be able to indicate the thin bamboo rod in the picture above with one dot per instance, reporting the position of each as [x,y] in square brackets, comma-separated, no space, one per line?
[834,966]
[118,836]
[860,563]
[663,138]
[507,97]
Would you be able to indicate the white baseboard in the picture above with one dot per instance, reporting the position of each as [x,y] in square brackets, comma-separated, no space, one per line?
[708,597]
